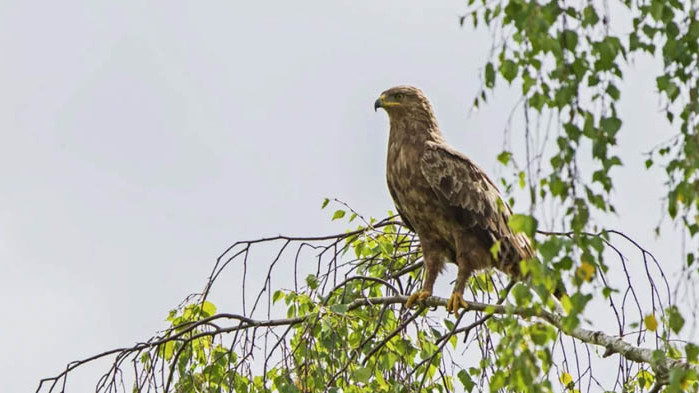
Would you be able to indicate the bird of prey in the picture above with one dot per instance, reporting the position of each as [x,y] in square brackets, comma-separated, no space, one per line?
[444,197]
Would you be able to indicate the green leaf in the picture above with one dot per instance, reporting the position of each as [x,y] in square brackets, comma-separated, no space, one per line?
[607,292]
[527,82]
[645,379]
[312,281]
[672,91]
[675,319]
[537,101]
[590,16]
[692,351]
[572,130]
[504,157]
[672,207]
[550,248]
[563,96]
[338,308]
[466,380]
[581,216]
[508,69]
[208,309]
[610,124]
[693,31]
[497,380]
[338,214]
[522,294]
[489,75]
[362,374]
[673,352]
[656,9]
[523,223]
[291,311]
[541,333]
[614,161]
[665,84]
[634,41]
[278,294]
[168,349]
[570,40]
[613,92]
[449,324]
[557,186]
[453,341]
[566,263]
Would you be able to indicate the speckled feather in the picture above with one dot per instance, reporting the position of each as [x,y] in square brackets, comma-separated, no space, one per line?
[442,195]
[461,184]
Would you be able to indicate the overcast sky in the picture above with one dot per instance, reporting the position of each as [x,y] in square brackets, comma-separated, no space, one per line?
[139,139]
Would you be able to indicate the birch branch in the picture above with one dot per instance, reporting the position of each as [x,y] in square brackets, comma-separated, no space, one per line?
[611,344]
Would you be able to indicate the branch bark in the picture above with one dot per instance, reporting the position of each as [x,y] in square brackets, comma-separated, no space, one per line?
[611,344]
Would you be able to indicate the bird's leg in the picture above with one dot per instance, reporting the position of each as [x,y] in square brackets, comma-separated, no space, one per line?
[431,271]
[457,299]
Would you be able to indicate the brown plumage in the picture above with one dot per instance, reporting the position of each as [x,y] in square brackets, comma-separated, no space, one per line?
[443,196]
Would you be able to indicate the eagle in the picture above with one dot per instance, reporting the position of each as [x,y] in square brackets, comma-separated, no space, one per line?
[444,197]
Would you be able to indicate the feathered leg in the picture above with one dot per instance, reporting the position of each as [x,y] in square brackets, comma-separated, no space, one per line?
[433,264]
[469,256]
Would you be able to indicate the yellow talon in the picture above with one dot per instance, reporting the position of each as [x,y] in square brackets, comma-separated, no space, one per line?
[455,301]
[417,296]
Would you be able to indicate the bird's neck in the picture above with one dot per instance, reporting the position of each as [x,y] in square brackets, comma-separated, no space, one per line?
[415,131]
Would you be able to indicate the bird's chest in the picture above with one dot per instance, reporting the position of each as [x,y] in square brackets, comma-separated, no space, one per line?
[411,192]
[403,169]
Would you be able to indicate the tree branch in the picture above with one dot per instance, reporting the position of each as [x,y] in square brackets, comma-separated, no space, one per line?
[610,343]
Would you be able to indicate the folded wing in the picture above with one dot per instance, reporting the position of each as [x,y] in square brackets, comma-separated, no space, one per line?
[473,199]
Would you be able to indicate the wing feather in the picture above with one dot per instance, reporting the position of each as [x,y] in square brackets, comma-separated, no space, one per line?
[475,198]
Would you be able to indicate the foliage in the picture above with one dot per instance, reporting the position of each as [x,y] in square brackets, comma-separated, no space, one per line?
[569,63]
[343,326]
[569,60]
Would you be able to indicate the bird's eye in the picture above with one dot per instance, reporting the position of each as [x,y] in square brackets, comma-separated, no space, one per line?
[399,96]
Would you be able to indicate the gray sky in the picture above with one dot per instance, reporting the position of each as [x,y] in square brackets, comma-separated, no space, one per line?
[141,138]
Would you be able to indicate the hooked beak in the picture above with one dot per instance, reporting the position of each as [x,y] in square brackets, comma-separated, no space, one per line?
[379,103]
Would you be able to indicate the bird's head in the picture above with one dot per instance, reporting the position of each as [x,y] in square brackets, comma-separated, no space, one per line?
[402,101]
